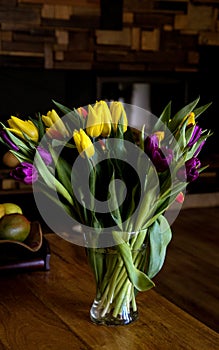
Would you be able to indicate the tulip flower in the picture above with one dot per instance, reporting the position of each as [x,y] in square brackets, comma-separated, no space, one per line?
[195,135]
[180,198]
[117,111]
[21,127]
[54,122]
[104,115]
[54,134]
[189,173]
[94,122]
[25,172]
[191,118]
[83,143]
[160,157]
[45,155]
[6,139]
[82,111]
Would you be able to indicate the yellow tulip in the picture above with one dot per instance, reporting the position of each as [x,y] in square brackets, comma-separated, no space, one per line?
[117,111]
[104,115]
[21,127]
[94,123]
[83,143]
[160,135]
[52,120]
[191,118]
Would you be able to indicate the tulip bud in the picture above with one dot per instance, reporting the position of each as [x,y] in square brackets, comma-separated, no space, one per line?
[6,139]
[83,143]
[54,134]
[82,111]
[45,155]
[94,123]
[21,127]
[196,134]
[117,111]
[52,120]
[180,198]
[25,172]
[191,118]
[104,114]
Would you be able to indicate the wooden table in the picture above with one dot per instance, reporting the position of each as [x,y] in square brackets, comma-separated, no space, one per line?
[50,310]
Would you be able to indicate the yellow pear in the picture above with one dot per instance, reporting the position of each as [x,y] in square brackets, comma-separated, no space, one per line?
[12,208]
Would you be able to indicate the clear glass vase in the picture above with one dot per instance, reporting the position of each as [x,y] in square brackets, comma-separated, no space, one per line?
[115,300]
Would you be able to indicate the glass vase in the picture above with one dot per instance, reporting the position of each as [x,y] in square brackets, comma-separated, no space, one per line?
[115,299]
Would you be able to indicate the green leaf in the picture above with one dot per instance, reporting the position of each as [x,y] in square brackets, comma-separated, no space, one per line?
[194,148]
[21,157]
[149,197]
[181,114]
[181,137]
[131,208]
[188,133]
[120,127]
[50,179]
[163,119]
[57,143]
[22,145]
[139,279]
[68,209]
[113,203]
[63,170]
[159,237]
[62,108]
[76,122]
[142,136]
[164,202]
[39,125]
[198,111]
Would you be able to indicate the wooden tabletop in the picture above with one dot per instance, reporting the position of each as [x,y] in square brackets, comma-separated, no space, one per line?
[43,310]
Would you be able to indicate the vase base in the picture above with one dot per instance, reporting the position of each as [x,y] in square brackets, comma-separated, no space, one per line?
[125,318]
[113,321]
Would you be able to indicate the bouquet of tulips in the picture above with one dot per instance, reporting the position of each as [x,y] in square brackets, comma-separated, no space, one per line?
[112,180]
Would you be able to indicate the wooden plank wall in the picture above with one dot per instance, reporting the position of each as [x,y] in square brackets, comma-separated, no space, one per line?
[157,35]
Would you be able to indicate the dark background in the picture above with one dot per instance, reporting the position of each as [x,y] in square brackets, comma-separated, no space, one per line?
[25,92]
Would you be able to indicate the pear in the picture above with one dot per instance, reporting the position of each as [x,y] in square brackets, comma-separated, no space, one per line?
[10,160]
[12,208]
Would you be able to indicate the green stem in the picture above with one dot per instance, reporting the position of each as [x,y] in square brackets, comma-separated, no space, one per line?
[114,289]
[120,298]
[109,294]
[134,305]
[123,283]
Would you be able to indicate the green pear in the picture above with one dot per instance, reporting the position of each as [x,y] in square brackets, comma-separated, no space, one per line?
[15,227]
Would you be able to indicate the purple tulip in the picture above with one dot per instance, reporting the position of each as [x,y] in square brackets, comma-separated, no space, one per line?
[195,135]
[7,140]
[25,172]
[45,155]
[160,157]
[189,173]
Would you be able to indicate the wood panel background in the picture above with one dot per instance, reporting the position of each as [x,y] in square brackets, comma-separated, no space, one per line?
[161,35]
